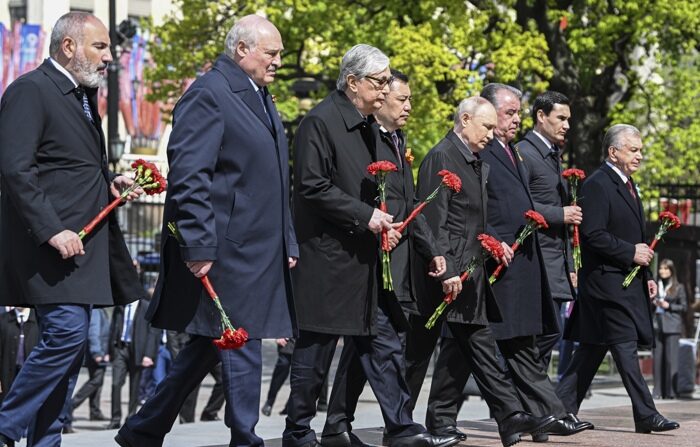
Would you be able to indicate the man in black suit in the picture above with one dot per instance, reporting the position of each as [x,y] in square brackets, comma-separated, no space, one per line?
[338,223]
[521,290]
[228,194]
[456,220]
[540,150]
[19,334]
[55,179]
[391,145]
[608,316]
[133,345]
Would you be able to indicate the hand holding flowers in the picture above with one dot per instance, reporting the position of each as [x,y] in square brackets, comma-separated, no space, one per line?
[449,181]
[574,177]
[380,169]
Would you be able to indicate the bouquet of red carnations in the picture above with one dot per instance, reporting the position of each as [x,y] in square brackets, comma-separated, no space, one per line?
[449,181]
[146,176]
[231,338]
[490,247]
[534,221]
[380,169]
[669,221]
[574,177]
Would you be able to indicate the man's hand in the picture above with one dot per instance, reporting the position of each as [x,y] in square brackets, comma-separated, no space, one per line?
[106,358]
[98,358]
[394,237]
[507,254]
[292,262]
[573,215]
[281,342]
[574,279]
[438,267]
[67,243]
[122,182]
[643,254]
[452,286]
[199,268]
[147,362]
[380,221]
[652,288]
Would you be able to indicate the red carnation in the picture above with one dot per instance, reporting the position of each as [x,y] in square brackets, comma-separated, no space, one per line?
[491,245]
[231,339]
[451,180]
[537,218]
[673,220]
[535,221]
[380,169]
[573,172]
[383,166]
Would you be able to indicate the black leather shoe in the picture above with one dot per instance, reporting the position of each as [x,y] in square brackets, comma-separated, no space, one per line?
[113,425]
[515,425]
[540,437]
[655,423]
[563,427]
[449,430]
[584,425]
[213,417]
[343,439]
[422,440]
[98,417]
[67,430]
[122,441]
[266,409]
[6,442]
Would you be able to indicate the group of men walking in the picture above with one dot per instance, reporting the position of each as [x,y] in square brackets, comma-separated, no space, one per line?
[313,269]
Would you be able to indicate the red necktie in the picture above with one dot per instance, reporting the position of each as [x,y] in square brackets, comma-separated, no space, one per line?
[630,188]
[510,154]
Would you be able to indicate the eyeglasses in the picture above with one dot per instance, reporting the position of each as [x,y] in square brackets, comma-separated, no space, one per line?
[378,83]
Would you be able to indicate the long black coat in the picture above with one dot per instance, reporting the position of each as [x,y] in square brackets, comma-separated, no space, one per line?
[145,339]
[606,313]
[521,290]
[54,177]
[228,193]
[550,192]
[336,280]
[9,342]
[400,198]
[456,219]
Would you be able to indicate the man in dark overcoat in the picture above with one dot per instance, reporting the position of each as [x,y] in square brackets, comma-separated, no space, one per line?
[521,289]
[457,219]
[228,195]
[17,327]
[540,151]
[55,179]
[391,145]
[338,223]
[608,316]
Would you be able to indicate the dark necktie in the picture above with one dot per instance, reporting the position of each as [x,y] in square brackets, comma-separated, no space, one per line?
[510,154]
[630,188]
[556,157]
[82,96]
[395,140]
[262,94]
[20,342]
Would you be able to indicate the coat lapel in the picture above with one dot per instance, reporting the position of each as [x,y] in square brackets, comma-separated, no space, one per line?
[634,204]
[544,151]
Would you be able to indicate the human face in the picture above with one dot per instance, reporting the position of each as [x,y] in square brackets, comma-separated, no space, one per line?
[262,61]
[508,114]
[664,272]
[89,58]
[555,125]
[397,107]
[478,130]
[628,156]
[369,93]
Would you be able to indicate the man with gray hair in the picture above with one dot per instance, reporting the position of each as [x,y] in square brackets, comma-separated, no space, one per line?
[338,222]
[55,179]
[457,219]
[228,194]
[608,316]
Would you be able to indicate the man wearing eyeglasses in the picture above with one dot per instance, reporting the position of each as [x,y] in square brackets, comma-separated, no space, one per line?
[337,287]
[608,316]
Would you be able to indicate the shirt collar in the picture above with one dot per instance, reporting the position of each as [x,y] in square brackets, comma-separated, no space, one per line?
[24,313]
[617,170]
[547,143]
[63,70]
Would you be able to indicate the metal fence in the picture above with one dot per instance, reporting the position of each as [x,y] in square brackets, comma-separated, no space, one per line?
[682,199]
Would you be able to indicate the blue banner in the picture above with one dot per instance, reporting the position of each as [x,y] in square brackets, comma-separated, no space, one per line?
[29,48]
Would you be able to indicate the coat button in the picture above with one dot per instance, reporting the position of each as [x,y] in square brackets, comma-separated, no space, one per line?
[356,222]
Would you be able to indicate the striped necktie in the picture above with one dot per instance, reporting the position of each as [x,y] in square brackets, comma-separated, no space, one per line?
[80,93]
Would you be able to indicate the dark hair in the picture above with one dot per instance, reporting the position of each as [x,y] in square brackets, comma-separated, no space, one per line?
[400,76]
[674,279]
[490,91]
[545,102]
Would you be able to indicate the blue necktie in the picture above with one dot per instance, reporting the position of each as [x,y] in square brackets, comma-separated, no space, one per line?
[20,342]
[80,92]
[126,336]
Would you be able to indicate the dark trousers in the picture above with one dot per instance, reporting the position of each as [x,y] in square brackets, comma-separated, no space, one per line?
[91,389]
[587,358]
[39,393]
[214,404]
[447,386]
[666,365]
[241,372]
[477,347]
[279,376]
[382,363]
[547,342]
[531,381]
[123,364]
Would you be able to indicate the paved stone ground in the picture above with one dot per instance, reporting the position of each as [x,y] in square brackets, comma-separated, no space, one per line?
[609,409]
